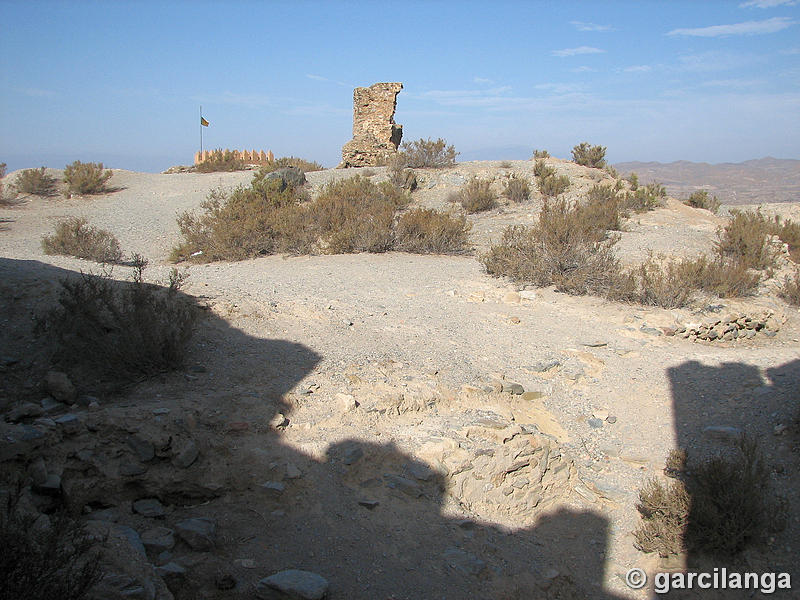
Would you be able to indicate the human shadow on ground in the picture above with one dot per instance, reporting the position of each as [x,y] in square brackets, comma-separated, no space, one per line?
[373,520]
[712,407]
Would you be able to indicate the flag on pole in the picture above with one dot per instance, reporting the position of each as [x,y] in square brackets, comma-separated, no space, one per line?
[203,122]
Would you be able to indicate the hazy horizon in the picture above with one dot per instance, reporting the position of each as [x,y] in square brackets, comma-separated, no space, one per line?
[122,83]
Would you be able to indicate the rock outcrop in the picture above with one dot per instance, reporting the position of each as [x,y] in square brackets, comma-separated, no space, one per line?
[375,134]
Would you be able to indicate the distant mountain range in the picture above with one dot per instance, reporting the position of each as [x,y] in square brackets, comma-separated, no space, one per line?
[751,182]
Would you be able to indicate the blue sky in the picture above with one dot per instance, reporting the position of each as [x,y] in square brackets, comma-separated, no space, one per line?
[122,82]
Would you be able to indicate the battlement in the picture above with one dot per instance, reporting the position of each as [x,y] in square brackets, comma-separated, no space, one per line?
[250,157]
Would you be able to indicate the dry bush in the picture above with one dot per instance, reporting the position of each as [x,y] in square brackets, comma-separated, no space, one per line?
[790,289]
[658,282]
[44,564]
[36,182]
[665,515]
[292,161]
[789,232]
[428,154]
[118,332]
[701,199]
[427,231]
[589,156]
[550,184]
[86,178]
[7,195]
[541,154]
[236,225]
[517,189]
[745,240]
[292,177]
[643,199]
[723,278]
[221,160]
[675,464]
[563,249]
[399,175]
[75,237]
[505,164]
[603,206]
[476,195]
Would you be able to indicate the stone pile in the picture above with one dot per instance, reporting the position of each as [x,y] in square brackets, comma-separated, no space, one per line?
[375,134]
[730,327]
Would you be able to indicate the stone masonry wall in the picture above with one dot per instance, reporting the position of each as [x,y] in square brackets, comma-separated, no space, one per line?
[253,157]
[375,134]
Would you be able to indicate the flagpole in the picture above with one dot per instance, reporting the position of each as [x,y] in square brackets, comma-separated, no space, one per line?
[201,132]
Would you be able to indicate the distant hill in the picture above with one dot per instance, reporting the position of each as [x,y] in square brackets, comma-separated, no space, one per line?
[751,182]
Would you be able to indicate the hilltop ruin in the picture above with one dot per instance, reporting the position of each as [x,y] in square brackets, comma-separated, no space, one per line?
[375,134]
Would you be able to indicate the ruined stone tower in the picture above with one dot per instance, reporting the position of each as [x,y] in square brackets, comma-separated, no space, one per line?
[375,134]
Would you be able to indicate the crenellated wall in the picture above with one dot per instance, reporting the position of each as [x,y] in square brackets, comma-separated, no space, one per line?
[251,157]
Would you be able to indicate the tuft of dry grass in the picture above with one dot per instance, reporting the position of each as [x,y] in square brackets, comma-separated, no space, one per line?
[517,189]
[427,231]
[75,237]
[86,178]
[36,182]
[477,196]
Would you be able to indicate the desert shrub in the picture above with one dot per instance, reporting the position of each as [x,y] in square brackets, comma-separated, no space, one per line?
[719,507]
[723,278]
[236,225]
[44,563]
[745,240]
[550,184]
[292,177]
[643,199]
[292,161]
[589,156]
[541,154]
[36,182]
[701,199]
[789,232]
[7,195]
[611,171]
[517,189]
[120,331]
[541,169]
[563,249]
[427,231]
[665,515]
[633,179]
[603,206]
[86,178]
[75,237]
[505,164]
[790,288]
[675,464]
[399,174]
[221,160]
[355,215]
[658,283]
[476,195]
[428,154]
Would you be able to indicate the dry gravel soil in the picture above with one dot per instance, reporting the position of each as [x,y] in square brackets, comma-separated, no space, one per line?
[417,341]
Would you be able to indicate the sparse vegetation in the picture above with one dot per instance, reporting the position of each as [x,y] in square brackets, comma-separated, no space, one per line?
[399,175]
[720,506]
[789,233]
[589,156]
[541,154]
[745,240]
[701,199]
[221,160]
[505,164]
[36,182]
[517,189]
[305,166]
[790,289]
[7,194]
[75,237]
[476,195]
[426,231]
[604,207]
[86,178]
[633,179]
[118,332]
[646,198]
[43,563]
[550,184]
[428,154]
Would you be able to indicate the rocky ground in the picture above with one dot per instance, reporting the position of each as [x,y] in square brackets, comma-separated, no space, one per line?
[402,426]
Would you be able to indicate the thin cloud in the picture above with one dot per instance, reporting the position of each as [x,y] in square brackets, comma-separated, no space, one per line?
[326,80]
[638,69]
[577,51]
[767,3]
[772,25]
[583,26]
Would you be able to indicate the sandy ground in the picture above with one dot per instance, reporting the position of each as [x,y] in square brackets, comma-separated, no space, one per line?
[287,334]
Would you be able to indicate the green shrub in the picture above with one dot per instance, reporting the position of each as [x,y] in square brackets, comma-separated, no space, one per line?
[542,170]
[36,182]
[541,154]
[589,156]
[44,563]
[75,237]
[428,154]
[790,289]
[221,160]
[476,195]
[646,198]
[633,179]
[113,331]
[426,231]
[745,240]
[701,199]
[563,249]
[517,189]
[86,178]
[550,184]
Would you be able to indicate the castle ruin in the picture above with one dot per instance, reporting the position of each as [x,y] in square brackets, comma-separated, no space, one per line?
[375,134]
